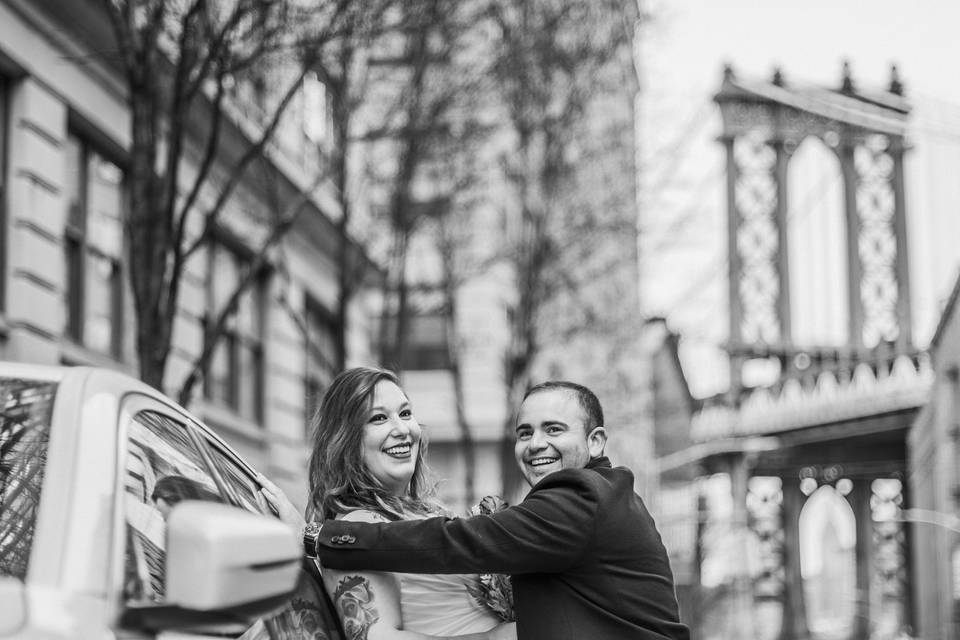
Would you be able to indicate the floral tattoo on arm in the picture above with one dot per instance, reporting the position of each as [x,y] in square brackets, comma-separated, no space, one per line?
[354,601]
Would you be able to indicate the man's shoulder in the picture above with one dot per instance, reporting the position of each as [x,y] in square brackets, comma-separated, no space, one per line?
[597,479]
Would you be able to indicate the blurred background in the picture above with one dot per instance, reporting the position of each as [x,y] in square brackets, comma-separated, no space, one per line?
[736,222]
[798,209]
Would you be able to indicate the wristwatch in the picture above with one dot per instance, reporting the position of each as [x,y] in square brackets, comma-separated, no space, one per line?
[311,533]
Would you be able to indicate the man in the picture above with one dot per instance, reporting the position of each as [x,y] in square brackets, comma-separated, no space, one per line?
[586,559]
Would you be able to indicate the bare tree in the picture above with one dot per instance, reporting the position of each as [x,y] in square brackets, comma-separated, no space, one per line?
[558,59]
[549,66]
[450,89]
[424,90]
[454,234]
[183,62]
[345,73]
[453,275]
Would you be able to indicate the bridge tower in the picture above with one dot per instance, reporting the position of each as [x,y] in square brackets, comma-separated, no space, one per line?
[833,416]
[763,125]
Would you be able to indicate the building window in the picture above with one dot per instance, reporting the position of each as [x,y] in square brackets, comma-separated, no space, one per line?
[94,246]
[320,345]
[235,374]
[426,348]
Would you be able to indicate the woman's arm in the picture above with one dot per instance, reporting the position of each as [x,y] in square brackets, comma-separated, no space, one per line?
[368,603]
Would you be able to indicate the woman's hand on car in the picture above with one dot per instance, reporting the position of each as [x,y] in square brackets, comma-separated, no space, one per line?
[281,504]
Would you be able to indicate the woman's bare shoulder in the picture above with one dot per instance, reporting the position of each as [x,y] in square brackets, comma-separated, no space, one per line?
[363,515]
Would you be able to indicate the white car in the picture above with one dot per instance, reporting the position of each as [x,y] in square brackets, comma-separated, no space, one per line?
[123,516]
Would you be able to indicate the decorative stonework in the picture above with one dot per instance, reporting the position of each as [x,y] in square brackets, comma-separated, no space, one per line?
[825,394]
[889,555]
[764,122]
[765,519]
[740,118]
[757,244]
[867,390]
[877,243]
[748,104]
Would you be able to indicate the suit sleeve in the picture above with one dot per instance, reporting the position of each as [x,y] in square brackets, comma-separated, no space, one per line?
[548,532]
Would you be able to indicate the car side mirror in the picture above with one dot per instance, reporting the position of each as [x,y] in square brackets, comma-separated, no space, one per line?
[224,566]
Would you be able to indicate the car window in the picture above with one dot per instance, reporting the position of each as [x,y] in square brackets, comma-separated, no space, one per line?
[309,612]
[25,411]
[163,467]
[166,456]
[243,489]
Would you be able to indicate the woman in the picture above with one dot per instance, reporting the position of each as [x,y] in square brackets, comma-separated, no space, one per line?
[368,465]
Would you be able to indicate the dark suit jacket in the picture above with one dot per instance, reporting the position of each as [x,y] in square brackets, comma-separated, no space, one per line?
[586,559]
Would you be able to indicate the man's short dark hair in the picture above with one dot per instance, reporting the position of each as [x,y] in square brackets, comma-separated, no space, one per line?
[585,398]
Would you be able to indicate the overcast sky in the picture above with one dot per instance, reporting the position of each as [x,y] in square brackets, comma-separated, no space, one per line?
[809,39]
[683,50]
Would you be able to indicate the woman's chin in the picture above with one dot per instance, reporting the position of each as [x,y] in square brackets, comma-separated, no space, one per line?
[397,485]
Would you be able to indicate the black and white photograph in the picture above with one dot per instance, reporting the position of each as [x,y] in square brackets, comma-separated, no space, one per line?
[479,320]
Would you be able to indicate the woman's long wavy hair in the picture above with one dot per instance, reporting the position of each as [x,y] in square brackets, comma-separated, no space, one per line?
[339,479]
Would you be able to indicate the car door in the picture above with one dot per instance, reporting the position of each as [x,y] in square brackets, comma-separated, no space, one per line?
[169,458]
[164,461]
[309,614]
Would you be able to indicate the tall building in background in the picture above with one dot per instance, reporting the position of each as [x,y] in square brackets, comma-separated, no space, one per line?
[934,448]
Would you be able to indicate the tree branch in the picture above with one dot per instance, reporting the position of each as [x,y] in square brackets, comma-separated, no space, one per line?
[236,175]
[214,330]
[203,171]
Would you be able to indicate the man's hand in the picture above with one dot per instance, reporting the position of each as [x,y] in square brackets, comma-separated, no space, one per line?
[279,502]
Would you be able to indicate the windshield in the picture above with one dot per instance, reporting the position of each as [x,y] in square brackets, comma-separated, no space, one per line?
[25,408]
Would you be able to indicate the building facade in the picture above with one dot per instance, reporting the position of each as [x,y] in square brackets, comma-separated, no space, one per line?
[934,456]
[65,139]
[66,298]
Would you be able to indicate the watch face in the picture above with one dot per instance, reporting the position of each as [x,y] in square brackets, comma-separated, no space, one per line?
[310,534]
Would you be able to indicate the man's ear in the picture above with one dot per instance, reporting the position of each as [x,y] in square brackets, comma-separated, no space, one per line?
[596,441]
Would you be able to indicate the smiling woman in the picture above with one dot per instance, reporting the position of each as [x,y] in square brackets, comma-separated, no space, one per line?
[367,465]
[391,438]
[358,420]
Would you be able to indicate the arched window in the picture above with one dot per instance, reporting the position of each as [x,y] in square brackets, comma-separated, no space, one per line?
[816,232]
[828,563]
